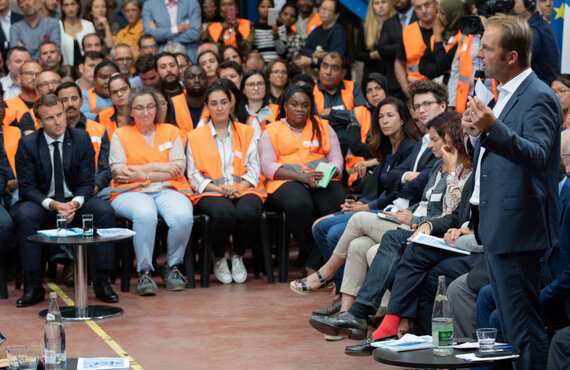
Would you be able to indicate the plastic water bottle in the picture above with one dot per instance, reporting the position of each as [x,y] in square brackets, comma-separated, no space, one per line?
[54,337]
[442,322]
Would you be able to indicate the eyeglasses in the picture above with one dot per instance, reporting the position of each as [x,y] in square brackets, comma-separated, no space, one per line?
[149,46]
[425,104]
[253,85]
[124,60]
[48,83]
[561,91]
[122,90]
[148,108]
[282,72]
[30,73]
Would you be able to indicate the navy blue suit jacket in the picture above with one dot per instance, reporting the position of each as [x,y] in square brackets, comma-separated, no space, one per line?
[558,262]
[33,165]
[518,209]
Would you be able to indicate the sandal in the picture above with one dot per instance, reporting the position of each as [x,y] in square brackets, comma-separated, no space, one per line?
[301,286]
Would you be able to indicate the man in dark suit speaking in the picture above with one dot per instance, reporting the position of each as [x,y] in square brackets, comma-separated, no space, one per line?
[56,175]
[515,193]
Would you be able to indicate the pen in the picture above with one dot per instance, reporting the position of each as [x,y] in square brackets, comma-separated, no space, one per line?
[506,347]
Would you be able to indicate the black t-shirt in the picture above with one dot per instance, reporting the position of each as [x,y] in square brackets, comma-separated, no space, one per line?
[196,113]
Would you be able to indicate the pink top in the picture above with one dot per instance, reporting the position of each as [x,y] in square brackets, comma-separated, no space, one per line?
[268,157]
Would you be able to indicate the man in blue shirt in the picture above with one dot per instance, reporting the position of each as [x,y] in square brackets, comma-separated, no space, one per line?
[34,28]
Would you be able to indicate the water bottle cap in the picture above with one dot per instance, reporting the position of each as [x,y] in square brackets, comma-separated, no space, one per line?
[53,295]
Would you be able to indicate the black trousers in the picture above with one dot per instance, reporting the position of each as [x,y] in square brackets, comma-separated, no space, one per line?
[239,217]
[302,206]
[29,217]
[416,281]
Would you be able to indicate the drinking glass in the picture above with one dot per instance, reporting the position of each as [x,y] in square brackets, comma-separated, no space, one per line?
[15,355]
[61,225]
[486,338]
[88,225]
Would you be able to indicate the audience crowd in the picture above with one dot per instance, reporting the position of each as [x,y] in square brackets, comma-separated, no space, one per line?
[165,109]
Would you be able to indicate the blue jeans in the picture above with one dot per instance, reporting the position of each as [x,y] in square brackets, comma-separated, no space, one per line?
[143,210]
[327,232]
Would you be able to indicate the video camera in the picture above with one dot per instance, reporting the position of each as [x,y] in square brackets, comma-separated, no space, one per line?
[471,24]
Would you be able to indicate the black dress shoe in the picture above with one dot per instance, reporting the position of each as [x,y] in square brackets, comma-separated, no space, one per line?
[332,309]
[104,292]
[365,348]
[340,323]
[32,296]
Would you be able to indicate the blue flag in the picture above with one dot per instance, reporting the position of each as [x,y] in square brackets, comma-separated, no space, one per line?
[561,29]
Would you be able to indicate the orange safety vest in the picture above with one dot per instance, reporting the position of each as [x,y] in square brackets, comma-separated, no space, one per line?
[104,118]
[92,98]
[272,117]
[362,114]
[415,47]
[12,137]
[314,22]
[215,31]
[299,154]
[465,74]
[15,109]
[207,158]
[139,153]
[346,93]
[95,131]
[182,115]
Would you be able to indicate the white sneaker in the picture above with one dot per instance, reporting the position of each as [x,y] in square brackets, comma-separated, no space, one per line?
[222,271]
[239,273]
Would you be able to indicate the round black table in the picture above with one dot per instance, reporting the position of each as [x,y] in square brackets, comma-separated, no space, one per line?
[424,358]
[81,311]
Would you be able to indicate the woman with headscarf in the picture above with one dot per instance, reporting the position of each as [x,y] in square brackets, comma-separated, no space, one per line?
[446,38]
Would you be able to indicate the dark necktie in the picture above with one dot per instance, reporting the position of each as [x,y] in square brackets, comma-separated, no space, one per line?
[58,173]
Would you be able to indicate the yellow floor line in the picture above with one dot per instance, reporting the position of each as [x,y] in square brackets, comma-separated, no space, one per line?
[96,328]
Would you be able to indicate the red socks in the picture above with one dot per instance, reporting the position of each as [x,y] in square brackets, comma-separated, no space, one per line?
[389,326]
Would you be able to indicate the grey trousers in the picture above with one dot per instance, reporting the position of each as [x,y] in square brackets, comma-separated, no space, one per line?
[463,301]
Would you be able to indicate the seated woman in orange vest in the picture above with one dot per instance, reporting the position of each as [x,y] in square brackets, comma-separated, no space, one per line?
[290,150]
[232,31]
[223,165]
[117,115]
[255,87]
[143,189]
[359,158]
[97,99]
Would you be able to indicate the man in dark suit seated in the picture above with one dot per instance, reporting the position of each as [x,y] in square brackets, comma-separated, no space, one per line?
[56,175]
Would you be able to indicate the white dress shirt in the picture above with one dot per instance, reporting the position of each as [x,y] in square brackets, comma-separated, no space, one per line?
[11,90]
[66,192]
[505,92]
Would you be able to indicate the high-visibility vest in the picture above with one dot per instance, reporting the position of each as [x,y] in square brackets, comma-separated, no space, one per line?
[104,118]
[299,154]
[346,93]
[92,98]
[95,131]
[465,73]
[362,114]
[138,153]
[272,117]
[12,137]
[215,31]
[208,162]
[314,22]
[15,109]
[415,46]
[182,115]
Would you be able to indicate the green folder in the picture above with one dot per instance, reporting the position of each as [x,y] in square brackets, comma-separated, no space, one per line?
[328,171]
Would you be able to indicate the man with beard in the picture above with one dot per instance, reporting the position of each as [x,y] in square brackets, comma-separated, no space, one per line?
[46,83]
[34,28]
[190,107]
[50,57]
[169,74]
[97,99]
[70,95]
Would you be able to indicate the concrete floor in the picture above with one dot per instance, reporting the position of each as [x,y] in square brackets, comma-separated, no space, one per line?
[250,326]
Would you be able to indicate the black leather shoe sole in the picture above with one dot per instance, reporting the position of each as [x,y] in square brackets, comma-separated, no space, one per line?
[329,329]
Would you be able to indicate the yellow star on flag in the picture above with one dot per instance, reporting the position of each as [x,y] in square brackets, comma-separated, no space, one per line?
[559,11]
